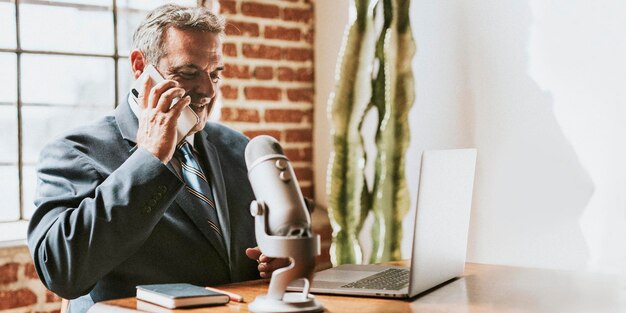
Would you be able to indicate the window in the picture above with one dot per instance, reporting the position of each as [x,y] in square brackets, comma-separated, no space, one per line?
[63,63]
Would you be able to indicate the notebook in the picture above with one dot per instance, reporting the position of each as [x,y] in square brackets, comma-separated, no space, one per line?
[440,232]
[179,295]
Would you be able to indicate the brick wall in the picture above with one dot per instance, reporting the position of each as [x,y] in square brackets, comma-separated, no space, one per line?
[268,85]
[20,288]
[268,77]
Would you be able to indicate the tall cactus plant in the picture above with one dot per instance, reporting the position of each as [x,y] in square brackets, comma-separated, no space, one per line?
[391,93]
[393,96]
[348,194]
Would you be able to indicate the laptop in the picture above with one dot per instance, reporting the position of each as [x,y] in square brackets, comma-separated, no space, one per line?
[439,236]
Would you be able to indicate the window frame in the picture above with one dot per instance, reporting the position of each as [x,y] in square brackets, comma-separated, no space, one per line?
[14,231]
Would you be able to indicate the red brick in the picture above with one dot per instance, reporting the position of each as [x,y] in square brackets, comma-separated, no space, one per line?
[282,33]
[254,133]
[242,29]
[230,49]
[297,54]
[240,115]
[260,10]
[305,74]
[322,261]
[288,116]
[309,36]
[228,92]
[299,135]
[8,273]
[227,6]
[298,15]
[285,74]
[52,297]
[303,174]
[262,52]
[308,154]
[325,231]
[262,93]
[10,299]
[299,154]
[29,271]
[235,71]
[264,72]
[300,95]
[307,191]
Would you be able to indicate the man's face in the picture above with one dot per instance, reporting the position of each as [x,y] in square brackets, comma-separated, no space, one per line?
[193,59]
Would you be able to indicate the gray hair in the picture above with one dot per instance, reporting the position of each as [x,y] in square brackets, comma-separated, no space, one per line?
[148,37]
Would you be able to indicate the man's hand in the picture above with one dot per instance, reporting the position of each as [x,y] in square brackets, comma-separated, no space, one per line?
[267,265]
[157,121]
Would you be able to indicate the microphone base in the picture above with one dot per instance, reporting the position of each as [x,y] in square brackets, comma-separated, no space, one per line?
[291,302]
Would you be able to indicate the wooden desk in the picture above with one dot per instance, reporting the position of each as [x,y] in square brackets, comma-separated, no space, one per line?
[483,288]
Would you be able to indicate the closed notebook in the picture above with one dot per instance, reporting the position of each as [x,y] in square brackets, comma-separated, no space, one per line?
[179,295]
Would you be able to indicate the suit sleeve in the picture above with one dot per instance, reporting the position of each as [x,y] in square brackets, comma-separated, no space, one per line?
[85,225]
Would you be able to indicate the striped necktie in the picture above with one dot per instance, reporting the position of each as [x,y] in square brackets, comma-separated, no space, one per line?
[197,184]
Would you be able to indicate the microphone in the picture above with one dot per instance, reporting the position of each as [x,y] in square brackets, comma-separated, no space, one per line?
[282,227]
[275,185]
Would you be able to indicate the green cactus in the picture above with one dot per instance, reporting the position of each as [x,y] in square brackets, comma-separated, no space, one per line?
[393,96]
[391,93]
[346,180]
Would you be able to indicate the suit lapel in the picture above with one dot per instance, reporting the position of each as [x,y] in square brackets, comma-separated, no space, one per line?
[209,153]
[128,124]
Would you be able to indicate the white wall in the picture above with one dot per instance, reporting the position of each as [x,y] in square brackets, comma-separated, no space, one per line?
[578,54]
[537,87]
[331,18]
[531,189]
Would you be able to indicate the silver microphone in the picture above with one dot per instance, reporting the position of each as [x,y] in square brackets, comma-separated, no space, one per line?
[275,185]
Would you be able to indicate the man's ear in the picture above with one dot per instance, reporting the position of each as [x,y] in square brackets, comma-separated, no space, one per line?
[137,62]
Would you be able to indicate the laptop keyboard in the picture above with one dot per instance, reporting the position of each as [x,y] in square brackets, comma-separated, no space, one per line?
[390,279]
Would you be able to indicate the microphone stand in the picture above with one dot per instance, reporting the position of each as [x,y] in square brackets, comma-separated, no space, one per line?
[301,251]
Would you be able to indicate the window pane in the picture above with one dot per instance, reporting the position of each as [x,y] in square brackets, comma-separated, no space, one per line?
[125,78]
[105,3]
[66,29]
[7,25]
[29,186]
[130,14]
[41,124]
[68,80]
[8,135]
[147,5]
[9,193]
[8,77]
[127,22]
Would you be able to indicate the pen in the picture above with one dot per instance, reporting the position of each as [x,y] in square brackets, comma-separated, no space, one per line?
[233,296]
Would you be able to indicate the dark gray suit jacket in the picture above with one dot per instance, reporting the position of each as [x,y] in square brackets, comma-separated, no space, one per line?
[110,216]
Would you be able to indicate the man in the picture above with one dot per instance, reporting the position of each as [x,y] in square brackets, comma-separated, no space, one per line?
[117,205]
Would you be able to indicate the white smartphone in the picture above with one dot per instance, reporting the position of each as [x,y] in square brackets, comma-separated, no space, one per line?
[188,118]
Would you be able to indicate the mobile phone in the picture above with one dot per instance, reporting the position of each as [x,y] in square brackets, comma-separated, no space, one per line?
[188,118]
